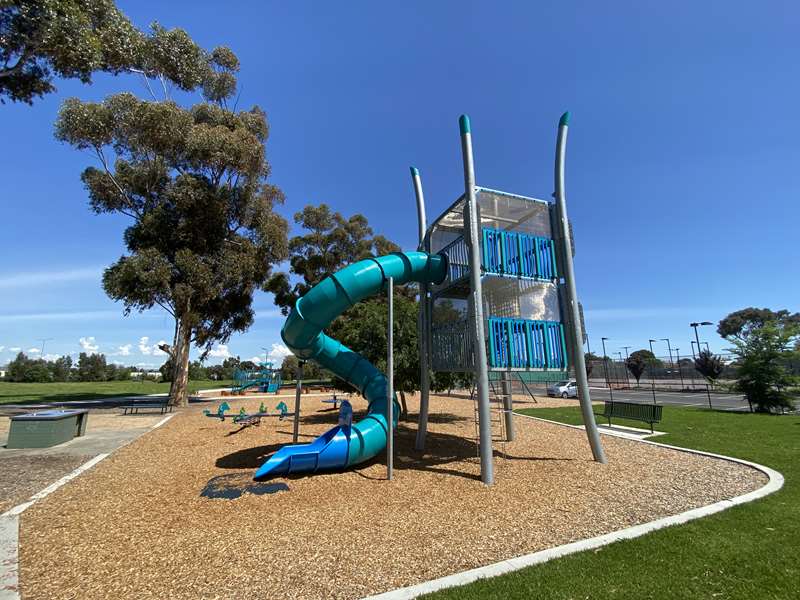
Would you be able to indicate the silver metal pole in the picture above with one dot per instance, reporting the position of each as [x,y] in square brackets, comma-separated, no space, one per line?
[390,387]
[472,237]
[424,369]
[572,295]
[298,390]
[508,406]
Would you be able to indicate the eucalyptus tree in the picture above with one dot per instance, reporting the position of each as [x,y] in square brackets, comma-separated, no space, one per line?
[330,242]
[72,39]
[192,180]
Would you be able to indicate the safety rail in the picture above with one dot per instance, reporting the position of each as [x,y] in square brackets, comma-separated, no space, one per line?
[518,254]
[526,344]
[451,347]
[457,259]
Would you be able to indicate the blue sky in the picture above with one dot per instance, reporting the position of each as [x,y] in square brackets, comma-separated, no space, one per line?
[682,173]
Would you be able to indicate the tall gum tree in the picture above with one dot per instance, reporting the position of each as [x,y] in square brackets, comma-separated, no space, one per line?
[204,234]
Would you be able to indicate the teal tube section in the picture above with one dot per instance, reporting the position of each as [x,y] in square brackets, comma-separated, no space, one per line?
[304,336]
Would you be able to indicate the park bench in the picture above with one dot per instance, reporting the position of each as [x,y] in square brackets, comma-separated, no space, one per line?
[160,403]
[647,413]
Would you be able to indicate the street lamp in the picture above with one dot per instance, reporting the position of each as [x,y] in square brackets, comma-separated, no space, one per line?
[696,336]
[652,363]
[669,348]
[605,367]
[626,348]
[680,372]
[43,340]
[266,354]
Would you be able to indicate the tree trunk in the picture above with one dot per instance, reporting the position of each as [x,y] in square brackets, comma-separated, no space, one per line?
[180,381]
[403,406]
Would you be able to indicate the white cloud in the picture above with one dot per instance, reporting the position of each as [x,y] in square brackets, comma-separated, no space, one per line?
[221,351]
[2,348]
[278,353]
[144,348]
[51,357]
[88,345]
[14,349]
[48,278]
[256,359]
[124,350]
[33,351]
[151,349]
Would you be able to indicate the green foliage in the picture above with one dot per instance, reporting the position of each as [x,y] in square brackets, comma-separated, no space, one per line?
[28,370]
[91,367]
[43,39]
[743,323]
[764,377]
[330,243]
[311,369]
[363,328]
[204,233]
[197,371]
[637,363]
[709,365]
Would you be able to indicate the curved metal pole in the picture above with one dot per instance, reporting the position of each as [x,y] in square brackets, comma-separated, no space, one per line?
[572,296]
[424,317]
[472,237]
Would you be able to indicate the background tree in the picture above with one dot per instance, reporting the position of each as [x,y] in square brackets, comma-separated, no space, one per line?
[62,368]
[639,361]
[363,328]
[590,358]
[740,325]
[329,243]
[709,366]
[91,367]
[765,343]
[204,234]
[71,39]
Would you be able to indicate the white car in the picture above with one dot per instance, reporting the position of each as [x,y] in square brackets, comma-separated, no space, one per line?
[565,389]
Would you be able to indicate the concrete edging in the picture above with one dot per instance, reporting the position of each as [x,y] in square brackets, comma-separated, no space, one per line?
[775,483]
[9,525]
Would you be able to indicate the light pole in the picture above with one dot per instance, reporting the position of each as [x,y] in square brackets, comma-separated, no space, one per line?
[605,368]
[678,360]
[626,348]
[669,349]
[43,340]
[652,364]
[266,353]
[624,369]
[696,336]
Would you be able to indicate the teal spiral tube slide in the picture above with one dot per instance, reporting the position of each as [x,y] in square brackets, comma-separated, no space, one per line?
[303,334]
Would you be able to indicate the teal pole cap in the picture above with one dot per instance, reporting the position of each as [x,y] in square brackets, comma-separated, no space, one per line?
[414,171]
[463,123]
[564,119]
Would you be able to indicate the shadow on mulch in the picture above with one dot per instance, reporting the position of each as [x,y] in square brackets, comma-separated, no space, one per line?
[443,449]
[234,485]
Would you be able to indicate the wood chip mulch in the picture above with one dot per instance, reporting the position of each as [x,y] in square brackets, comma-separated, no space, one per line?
[175,514]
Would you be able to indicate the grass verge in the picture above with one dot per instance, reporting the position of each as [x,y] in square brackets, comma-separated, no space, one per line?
[40,393]
[746,552]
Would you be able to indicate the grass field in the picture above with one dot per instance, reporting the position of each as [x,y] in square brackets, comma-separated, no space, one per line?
[750,551]
[35,393]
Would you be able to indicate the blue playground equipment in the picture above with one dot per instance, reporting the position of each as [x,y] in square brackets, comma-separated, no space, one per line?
[267,378]
[245,418]
[497,299]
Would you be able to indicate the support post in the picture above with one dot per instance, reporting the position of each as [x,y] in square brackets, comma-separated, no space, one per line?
[508,406]
[572,295]
[298,390]
[390,386]
[424,320]
[472,237]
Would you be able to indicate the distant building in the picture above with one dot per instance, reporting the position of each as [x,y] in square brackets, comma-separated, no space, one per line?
[149,374]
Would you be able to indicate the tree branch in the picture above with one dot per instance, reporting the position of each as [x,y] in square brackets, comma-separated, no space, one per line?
[99,151]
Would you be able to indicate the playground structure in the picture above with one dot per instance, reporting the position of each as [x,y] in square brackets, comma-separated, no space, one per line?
[246,419]
[497,296]
[265,377]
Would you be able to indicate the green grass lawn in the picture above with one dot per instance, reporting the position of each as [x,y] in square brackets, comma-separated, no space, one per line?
[751,551]
[35,393]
